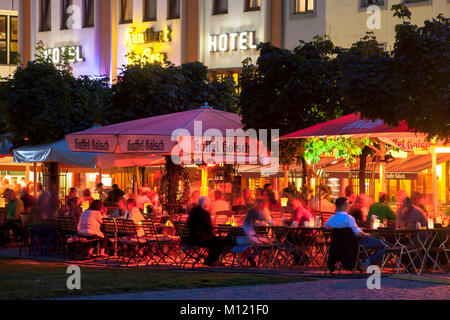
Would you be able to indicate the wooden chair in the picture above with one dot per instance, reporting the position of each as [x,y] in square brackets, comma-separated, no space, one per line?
[131,245]
[109,229]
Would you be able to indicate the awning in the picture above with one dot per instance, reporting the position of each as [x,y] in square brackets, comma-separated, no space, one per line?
[59,152]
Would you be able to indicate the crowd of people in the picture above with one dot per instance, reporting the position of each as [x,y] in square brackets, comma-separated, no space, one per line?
[349,211]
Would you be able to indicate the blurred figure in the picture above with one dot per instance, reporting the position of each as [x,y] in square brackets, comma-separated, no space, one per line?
[195,196]
[29,202]
[121,211]
[382,210]
[349,194]
[245,200]
[259,193]
[410,216]
[255,216]
[202,233]
[101,192]
[86,197]
[5,186]
[418,200]
[142,198]
[73,194]
[218,204]
[74,209]
[321,203]
[360,208]
[401,196]
[211,190]
[299,214]
[135,214]
[14,208]
[268,187]
[114,194]
[269,197]
[45,222]
[90,224]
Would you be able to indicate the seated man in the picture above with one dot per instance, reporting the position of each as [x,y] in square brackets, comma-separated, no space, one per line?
[202,233]
[381,210]
[342,219]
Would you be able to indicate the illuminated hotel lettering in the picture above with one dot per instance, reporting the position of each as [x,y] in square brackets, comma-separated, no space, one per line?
[232,41]
[57,54]
[134,40]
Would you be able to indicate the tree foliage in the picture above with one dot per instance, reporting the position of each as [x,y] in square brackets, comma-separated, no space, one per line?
[149,90]
[41,103]
[411,83]
[290,90]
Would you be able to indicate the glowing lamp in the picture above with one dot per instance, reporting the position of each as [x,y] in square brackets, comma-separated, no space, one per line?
[284,202]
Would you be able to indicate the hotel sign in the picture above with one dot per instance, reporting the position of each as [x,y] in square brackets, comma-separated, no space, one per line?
[236,41]
[56,55]
[137,41]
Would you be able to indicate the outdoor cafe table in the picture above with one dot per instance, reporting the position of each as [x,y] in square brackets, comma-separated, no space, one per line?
[310,240]
[424,237]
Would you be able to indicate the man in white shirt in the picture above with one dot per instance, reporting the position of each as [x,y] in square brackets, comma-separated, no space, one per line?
[342,219]
[135,214]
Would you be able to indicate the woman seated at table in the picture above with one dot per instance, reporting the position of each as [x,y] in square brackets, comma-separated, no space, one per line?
[360,208]
[90,224]
[135,214]
[255,216]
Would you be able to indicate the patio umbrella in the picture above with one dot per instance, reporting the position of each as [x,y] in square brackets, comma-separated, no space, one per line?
[354,126]
[154,135]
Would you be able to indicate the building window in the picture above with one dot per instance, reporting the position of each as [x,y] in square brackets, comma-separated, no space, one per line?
[88,13]
[418,2]
[252,5]
[45,15]
[65,4]
[220,7]
[126,11]
[366,3]
[13,40]
[9,39]
[173,9]
[303,6]
[150,10]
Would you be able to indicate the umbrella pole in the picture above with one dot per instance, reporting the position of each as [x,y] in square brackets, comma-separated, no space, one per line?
[434,178]
[204,188]
[35,179]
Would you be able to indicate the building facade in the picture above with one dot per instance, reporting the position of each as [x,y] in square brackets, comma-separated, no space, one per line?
[105,35]
[9,36]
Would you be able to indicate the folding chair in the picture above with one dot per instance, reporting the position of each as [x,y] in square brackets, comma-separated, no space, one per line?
[443,248]
[109,229]
[395,254]
[188,252]
[77,246]
[264,249]
[131,245]
[158,246]
[242,246]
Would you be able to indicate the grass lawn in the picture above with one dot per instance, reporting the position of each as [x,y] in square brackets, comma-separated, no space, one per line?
[27,279]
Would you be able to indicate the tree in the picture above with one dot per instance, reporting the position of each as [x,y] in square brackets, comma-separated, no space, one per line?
[291,90]
[148,90]
[411,83]
[42,102]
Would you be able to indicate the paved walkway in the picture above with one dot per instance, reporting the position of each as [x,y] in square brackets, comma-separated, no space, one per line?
[347,289]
